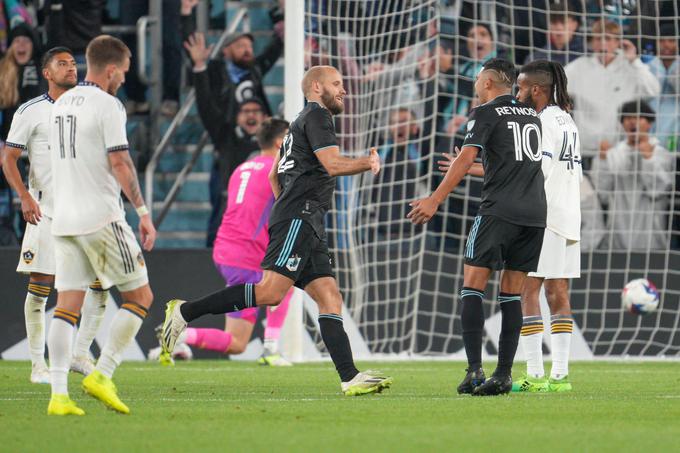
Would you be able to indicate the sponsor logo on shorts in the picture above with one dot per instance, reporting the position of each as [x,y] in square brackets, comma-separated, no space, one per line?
[28,256]
[140,259]
[293,263]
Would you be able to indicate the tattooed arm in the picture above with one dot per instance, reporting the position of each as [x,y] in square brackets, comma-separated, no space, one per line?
[124,171]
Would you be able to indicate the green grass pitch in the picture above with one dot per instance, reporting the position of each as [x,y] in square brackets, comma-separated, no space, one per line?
[232,406]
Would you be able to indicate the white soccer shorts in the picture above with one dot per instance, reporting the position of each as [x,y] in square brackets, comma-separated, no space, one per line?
[37,248]
[111,254]
[560,257]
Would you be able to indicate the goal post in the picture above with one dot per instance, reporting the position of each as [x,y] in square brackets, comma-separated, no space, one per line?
[408,68]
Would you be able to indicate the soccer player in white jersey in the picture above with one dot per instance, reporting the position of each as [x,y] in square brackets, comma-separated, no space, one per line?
[90,166]
[543,85]
[29,132]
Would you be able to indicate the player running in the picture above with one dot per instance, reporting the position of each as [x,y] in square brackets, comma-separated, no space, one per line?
[297,253]
[239,248]
[507,233]
[29,131]
[91,163]
[543,86]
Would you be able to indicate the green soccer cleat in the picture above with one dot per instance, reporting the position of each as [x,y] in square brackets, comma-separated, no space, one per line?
[173,326]
[273,360]
[103,388]
[559,385]
[531,385]
[366,382]
[63,405]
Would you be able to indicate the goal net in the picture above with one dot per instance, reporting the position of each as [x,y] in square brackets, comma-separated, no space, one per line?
[408,68]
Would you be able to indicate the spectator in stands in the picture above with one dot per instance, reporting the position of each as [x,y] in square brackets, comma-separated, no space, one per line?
[398,180]
[130,12]
[634,180]
[235,76]
[73,24]
[600,82]
[563,45]
[666,68]
[12,13]
[20,78]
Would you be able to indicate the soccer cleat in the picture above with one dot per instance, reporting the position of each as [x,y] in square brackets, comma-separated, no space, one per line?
[531,385]
[40,374]
[472,379]
[63,405]
[273,360]
[559,385]
[366,382]
[173,326]
[103,388]
[82,365]
[495,385]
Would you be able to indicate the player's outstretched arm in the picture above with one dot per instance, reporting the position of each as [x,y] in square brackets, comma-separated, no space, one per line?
[29,206]
[477,169]
[124,170]
[338,165]
[424,209]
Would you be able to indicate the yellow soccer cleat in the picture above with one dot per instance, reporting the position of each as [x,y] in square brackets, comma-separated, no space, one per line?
[365,383]
[61,404]
[103,388]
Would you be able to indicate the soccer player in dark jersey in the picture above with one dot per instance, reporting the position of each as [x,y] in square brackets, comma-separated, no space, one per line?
[508,231]
[303,180]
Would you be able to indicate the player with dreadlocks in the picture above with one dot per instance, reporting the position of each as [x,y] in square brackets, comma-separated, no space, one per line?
[543,86]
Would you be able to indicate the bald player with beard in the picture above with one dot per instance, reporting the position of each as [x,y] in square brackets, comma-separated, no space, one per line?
[303,181]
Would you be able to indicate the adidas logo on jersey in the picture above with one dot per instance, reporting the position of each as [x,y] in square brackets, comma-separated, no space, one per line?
[293,263]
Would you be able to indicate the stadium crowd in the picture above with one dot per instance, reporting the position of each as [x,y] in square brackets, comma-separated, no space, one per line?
[625,92]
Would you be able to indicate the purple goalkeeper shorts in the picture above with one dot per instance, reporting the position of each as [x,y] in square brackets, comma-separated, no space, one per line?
[238,276]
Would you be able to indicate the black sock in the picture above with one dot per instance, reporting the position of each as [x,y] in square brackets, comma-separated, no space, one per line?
[511,326]
[337,343]
[227,300]
[472,318]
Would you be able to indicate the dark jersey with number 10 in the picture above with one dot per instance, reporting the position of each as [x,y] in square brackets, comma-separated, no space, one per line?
[508,134]
[306,186]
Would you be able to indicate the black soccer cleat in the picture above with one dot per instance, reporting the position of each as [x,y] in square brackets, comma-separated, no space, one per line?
[473,378]
[495,385]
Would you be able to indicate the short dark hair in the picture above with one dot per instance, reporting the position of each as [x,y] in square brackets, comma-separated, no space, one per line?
[269,131]
[637,108]
[506,69]
[104,50]
[53,52]
[560,11]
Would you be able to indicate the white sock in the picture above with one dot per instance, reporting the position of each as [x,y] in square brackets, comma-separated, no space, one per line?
[34,313]
[561,327]
[532,343]
[271,346]
[91,317]
[60,343]
[124,328]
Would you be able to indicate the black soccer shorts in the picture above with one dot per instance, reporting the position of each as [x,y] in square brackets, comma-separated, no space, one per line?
[496,244]
[296,251]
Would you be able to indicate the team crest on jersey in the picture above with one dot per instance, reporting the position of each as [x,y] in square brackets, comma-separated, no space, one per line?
[293,263]
[140,259]
[28,256]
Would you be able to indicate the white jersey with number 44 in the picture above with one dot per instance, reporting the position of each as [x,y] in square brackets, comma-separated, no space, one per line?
[86,125]
[563,172]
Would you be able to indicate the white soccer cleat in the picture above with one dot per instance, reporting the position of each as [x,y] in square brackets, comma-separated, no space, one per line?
[40,374]
[82,365]
[366,382]
[173,326]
